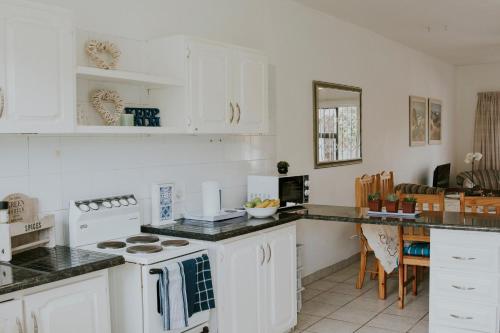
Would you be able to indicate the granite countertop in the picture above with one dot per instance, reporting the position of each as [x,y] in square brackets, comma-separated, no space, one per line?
[217,231]
[437,220]
[44,265]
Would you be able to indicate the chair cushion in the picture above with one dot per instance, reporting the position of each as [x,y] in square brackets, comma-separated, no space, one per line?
[486,179]
[418,249]
[417,189]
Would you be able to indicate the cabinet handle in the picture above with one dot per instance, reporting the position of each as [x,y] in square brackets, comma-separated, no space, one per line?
[461,317]
[19,326]
[232,113]
[263,255]
[35,322]
[463,258]
[463,288]
[239,113]
[2,102]
[270,253]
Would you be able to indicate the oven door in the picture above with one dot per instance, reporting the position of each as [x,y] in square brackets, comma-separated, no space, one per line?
[291,190]
[152,318]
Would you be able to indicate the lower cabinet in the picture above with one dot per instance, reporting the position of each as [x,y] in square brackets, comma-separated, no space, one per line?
[81,307]
[256,283]
[11,317]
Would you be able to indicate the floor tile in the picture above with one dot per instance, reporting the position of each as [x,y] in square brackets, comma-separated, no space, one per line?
[353,315]
[309,293]
[367,329]
[322,285]
[334,298]
[350,288]
[369,304]
[415,307]
[391,322]
[421,327]
[305,320]
[342,275]
[314,308]
[333,326]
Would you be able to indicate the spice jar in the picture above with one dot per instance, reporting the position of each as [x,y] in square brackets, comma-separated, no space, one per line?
[4,212]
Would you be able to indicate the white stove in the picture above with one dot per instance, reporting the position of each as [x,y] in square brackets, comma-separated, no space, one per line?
[112,225]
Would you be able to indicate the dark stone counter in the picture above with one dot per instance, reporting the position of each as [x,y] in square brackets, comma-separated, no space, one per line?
[45,265]
[437,220]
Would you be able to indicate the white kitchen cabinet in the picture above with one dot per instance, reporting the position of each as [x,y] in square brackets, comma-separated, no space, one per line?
[36,68]
[256,283]
[228,88]
[11,317]
[81,307]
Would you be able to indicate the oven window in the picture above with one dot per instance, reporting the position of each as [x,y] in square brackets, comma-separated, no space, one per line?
[291,190]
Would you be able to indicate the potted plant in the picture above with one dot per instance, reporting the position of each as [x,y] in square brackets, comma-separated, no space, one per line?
[392,203]
[374,202]
[283,167]
[409,204]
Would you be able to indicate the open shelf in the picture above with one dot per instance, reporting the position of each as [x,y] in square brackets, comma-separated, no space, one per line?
[112,75]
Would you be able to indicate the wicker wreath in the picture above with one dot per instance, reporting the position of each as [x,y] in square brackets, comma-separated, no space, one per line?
[100,96]
[95,49]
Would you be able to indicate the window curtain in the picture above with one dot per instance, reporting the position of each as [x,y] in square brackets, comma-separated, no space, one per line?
[487,130]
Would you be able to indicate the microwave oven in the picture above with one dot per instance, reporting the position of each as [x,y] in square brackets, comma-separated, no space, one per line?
[290,190]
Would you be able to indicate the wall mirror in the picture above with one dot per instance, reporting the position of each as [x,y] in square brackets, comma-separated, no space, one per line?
[337,124]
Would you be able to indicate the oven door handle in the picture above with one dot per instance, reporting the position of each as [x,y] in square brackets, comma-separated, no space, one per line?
[158,303]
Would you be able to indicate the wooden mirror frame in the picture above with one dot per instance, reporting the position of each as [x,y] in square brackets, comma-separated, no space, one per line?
[316,85]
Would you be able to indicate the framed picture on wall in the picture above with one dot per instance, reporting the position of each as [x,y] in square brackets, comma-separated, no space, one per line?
[418,120]
[435,111]
[162,203]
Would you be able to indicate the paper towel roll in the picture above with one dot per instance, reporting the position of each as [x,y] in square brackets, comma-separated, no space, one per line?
[211,195]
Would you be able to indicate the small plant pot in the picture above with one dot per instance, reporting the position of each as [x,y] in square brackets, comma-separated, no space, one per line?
[409,207]
[375,205]
[392,206]
[282,170]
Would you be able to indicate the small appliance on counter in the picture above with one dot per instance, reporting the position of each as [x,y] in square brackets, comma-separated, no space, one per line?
[212,205]
[25,229]
[290,190]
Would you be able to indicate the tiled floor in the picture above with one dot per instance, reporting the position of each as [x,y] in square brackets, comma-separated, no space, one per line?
[334,305]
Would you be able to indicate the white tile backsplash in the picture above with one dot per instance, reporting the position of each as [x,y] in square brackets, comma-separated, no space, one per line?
[57,169]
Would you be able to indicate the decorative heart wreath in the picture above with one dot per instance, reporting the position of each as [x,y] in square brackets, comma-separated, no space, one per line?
[95,48]
[100,96]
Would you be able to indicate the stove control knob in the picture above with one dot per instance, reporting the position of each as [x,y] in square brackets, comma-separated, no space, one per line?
[94,206]
[115,203]
[84,207]
[107,204]
[307,192]
[124,202]
[132,201]
[306,183]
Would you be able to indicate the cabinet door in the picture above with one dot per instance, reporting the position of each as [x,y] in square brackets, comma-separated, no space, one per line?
[243,281]
[210,68]
[282,279]
[81,307]
[11,317]
[251,92]
[36,47]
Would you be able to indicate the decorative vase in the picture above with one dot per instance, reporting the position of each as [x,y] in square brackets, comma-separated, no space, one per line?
[282,170]
[375,205]
[392,206]
[409,207]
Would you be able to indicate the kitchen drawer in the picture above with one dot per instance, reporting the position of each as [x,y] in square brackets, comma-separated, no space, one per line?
[466,286]
[469,259]
[463,315]
[444,329]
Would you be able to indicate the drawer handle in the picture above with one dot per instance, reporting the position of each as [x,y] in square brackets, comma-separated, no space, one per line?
[463,288]
[464,258]
[461,317]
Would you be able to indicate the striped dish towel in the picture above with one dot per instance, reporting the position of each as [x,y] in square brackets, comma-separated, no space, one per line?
[173,301]
[200,292]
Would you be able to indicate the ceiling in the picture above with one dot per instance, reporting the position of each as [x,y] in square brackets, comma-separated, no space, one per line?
[460,32]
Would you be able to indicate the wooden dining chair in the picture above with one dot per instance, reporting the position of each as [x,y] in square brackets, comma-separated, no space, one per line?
[485,205]
[414,243]
[365,185]
[385,183]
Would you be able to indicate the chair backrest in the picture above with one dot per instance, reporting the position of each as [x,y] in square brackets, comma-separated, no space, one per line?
[363,186]
[428,202]
[385,183]
[475,204]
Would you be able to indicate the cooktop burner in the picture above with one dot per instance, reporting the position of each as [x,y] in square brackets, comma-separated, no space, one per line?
[175,242]
[144,249]
[142,239]
[111,245]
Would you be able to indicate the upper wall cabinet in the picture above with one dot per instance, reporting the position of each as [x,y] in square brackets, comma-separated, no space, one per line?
[36,69]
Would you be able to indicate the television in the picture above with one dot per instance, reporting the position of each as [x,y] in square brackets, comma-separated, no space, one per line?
[441,176]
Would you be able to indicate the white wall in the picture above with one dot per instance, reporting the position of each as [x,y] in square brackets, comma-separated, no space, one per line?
[469,81]
[303,45]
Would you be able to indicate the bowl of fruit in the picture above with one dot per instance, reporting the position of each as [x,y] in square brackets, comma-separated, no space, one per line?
[262,208]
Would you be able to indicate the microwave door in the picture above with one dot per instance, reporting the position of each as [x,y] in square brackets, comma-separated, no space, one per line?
[291,191]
